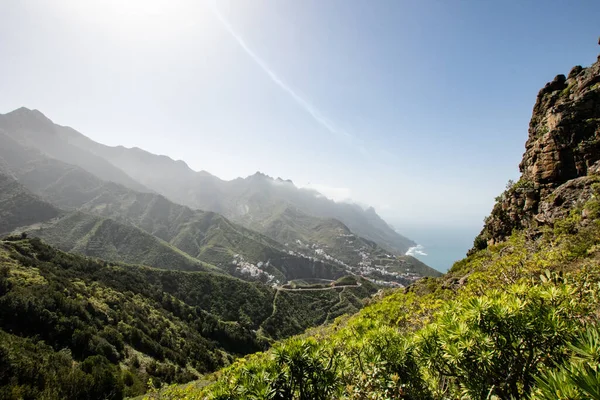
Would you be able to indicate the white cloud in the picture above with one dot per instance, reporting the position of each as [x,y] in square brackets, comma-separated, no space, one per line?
[417,250]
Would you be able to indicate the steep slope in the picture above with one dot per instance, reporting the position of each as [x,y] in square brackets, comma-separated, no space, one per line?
[105,238]
[73,327]
[19,207]
[332,240]
[252,199]
[32,129]
[247,201]
[515,319]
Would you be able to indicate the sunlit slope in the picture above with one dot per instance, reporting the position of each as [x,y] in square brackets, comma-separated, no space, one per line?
[76,327]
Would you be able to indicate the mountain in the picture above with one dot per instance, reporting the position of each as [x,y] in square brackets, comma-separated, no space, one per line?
[517,318]
[332,239]
[247,201]
[206,236]
[123,225]
[32,129]
[72,327]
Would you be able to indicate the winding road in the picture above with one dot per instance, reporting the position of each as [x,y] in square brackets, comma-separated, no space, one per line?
[308,289]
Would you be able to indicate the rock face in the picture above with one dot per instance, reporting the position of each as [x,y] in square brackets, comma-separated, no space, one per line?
[561,160]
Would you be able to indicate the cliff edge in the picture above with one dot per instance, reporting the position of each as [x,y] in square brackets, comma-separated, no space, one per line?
[561,162]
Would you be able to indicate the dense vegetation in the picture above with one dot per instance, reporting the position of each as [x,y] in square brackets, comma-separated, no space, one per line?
[75,327]
[110,240]
[18,207]
[515,320]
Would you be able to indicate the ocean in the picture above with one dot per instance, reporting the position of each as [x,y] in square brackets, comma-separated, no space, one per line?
[440,247]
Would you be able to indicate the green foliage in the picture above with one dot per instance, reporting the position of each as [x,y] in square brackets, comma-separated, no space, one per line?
[31,369]
[567,91]
[580,377]
[19,207]
[495,344]
[295,311]
[113,241]
[512,186]
[346,281]
[479,243]
[113,326]
[508,321]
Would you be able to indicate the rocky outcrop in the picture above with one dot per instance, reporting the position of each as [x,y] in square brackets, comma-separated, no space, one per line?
[561,160]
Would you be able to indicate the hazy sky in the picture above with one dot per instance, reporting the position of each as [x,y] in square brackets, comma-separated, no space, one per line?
[419,108]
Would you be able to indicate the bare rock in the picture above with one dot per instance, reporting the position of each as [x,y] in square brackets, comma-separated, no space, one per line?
[561,159]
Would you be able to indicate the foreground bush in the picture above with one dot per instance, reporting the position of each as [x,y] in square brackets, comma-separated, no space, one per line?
[510,343]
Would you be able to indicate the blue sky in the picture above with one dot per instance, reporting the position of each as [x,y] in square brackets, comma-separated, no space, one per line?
[419,108]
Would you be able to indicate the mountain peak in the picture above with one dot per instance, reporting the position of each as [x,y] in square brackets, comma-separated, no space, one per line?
[260,175]
[279,179]
[24,111]
[32,120]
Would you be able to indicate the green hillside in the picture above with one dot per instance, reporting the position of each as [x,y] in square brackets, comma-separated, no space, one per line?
[112,241]
[75,327]
[19,207]
[331,238]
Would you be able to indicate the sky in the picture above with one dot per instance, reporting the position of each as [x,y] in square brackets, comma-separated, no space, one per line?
[418,108]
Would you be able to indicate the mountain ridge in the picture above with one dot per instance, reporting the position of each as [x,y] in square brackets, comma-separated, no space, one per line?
[71,187]
[205,236]
[200,189]
[33,129]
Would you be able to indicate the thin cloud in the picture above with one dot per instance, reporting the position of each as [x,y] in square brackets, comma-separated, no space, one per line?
[306,105]
[417,250]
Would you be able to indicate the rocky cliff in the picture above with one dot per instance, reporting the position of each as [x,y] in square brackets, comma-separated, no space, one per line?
[561,159]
